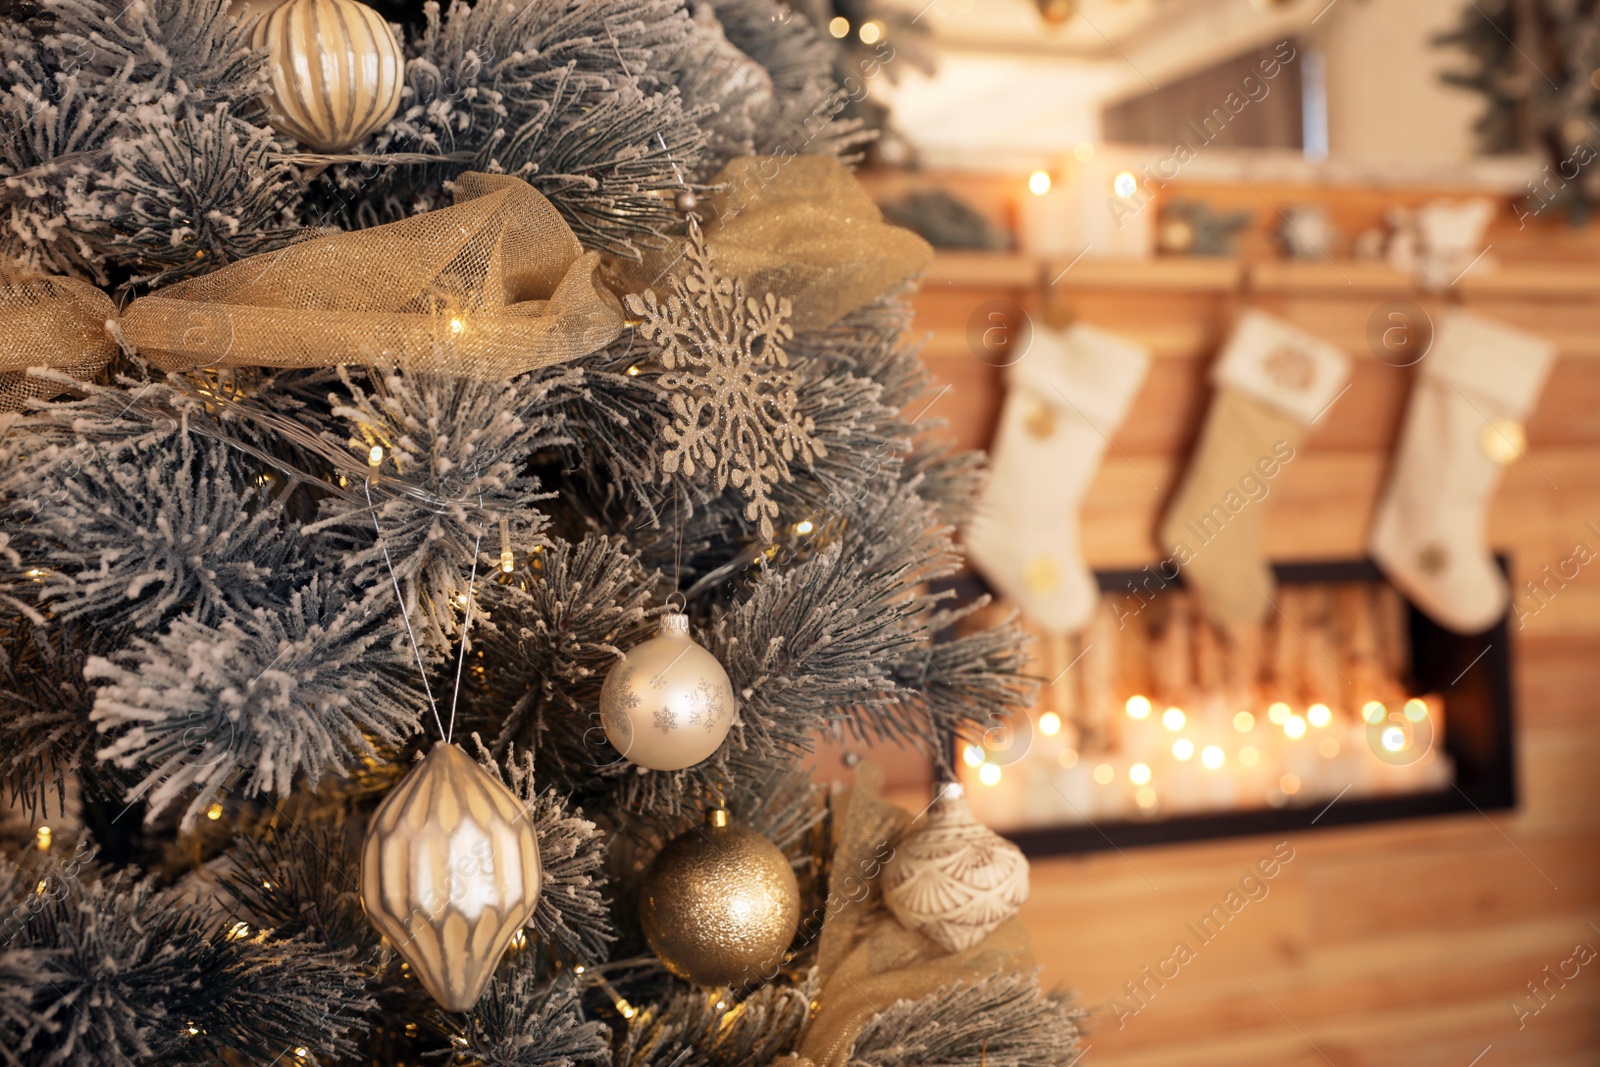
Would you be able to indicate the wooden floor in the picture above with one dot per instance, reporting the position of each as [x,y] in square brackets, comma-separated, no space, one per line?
[1404,945]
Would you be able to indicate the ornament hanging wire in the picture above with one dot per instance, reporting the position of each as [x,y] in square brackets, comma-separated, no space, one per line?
[416,648]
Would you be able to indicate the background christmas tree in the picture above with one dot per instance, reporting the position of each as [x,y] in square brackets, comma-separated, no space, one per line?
[1537,65]
[212,578]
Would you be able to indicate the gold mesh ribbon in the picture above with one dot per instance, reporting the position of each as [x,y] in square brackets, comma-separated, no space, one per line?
[488,288]
[50,322]
[867,960]
[799,228]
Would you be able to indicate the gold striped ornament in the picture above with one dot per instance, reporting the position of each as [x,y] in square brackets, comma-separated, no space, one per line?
[449,873]
[335,71]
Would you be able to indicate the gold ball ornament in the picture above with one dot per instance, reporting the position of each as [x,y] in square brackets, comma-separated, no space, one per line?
[449,873]
[955,880]
[720,904]
[335,71]
[667,704]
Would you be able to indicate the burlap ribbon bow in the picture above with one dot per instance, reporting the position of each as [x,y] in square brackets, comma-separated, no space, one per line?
[491,287]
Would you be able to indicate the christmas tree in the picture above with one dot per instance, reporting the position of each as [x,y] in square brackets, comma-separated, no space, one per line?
[366,388]
[1536,63]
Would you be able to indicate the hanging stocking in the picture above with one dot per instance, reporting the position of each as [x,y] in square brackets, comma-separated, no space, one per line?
[1067,396]
[1273,381]
[1463,424]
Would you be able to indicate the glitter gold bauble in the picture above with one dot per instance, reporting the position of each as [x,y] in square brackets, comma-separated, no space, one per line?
[336,71]
[668,703]
[720,904]
[955,879]
[449,873]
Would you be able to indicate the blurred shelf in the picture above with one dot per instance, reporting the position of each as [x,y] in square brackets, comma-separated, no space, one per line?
[979,270]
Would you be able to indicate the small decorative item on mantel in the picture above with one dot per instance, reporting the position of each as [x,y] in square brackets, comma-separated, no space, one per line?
[946,221]
[1192,228]
[1307,232]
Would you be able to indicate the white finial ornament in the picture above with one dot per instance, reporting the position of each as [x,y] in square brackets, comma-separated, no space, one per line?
[955,880]
[449,873]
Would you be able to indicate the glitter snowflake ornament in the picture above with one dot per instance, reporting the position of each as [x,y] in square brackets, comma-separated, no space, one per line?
[734,408]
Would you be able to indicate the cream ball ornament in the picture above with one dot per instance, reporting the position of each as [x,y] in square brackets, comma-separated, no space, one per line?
[336,71]
[720,904]
[667,704]
[450,871]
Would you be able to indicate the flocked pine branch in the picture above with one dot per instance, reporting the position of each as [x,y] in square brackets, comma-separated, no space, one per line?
[1003,1021]
[689,1026]
[192,193]
[562,95]
[461,447]
[527,1021]
[124,972]
[121,143]
[250,704]
[47,737]
[547,641]
[136,539]
[572,916]
[805,100]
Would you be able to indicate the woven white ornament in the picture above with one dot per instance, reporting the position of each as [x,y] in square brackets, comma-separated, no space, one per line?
[335,71]
[449,873]
[955,880]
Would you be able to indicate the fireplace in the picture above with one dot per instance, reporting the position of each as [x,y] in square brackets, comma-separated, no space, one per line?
[1346,705]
